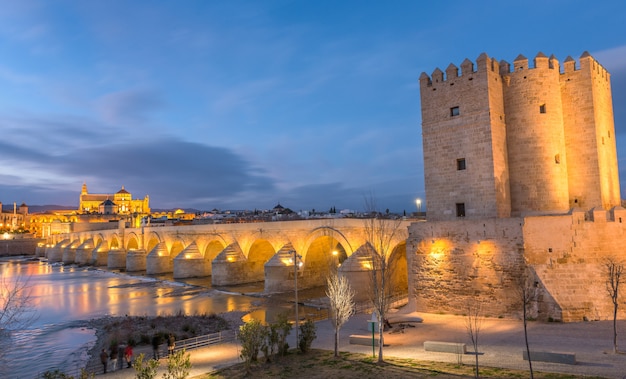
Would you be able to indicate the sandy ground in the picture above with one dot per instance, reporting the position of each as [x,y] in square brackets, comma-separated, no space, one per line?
[501,342]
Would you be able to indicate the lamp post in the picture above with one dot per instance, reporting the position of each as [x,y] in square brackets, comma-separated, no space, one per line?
[418,203]
[296,265]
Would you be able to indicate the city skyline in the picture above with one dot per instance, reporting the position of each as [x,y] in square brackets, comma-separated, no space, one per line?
[243,105]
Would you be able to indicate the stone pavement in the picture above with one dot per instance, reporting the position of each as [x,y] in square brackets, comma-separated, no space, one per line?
[501,342]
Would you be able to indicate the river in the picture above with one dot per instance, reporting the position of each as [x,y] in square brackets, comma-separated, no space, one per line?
[63,295]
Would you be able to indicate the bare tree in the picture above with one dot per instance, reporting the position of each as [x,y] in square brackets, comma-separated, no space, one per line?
[614,269]
[526,295]
[16,309]
[473,324]
[381,234]
[341,298]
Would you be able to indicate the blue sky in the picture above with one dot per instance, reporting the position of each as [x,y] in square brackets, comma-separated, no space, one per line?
[245,104]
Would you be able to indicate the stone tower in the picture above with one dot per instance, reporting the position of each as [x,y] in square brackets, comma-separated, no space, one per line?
[505,140]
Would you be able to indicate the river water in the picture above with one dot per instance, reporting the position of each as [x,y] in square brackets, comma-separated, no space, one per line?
[63,295]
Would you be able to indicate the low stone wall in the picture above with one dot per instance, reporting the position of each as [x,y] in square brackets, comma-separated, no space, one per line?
[19,246]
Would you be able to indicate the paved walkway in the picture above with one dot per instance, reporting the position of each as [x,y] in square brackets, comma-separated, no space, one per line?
[501,342]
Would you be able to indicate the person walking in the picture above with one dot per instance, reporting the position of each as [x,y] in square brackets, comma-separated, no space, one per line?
[120,355]
[156,341]
[171,343]
[113,356]
[128,354]
[104,358]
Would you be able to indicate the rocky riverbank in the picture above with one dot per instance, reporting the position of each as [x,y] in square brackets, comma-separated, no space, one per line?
[139,330]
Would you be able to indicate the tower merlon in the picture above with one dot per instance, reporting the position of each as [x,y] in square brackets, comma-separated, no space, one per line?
[483,63]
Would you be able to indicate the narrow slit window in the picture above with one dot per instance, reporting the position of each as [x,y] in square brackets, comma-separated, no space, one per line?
[460,209]
[542,108]
[460,164]
[454,111]
[557,158]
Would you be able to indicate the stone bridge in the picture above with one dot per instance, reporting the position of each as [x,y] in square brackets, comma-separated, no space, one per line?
[234,254]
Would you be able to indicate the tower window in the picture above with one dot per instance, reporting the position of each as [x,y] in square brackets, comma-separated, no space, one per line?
[460,164]
[557,158]
[542,108]
[454,111]
[460,209]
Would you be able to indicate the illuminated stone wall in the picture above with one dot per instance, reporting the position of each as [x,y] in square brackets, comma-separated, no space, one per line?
[454,263]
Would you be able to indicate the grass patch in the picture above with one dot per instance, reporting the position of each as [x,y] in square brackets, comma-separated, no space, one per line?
[321,364]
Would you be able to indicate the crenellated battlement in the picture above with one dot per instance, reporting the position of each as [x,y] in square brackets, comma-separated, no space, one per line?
[541,62]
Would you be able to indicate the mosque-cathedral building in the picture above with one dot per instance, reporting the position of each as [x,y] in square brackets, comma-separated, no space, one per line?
[120,202]
[95,210]
[521,182]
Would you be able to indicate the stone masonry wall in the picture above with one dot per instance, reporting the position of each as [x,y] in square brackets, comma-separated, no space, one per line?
[569,253]
[535,137]
[454,263]
[463,119]
[19,246]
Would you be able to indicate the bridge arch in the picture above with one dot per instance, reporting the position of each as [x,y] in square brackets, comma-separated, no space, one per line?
[176,247]
[153,240]
[335,234]
[260,252]
[115,243]
[132,242]
[323,256]
[212,249]
[397,260]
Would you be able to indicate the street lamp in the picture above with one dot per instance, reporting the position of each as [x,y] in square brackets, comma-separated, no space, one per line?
[297,262]
[418,202]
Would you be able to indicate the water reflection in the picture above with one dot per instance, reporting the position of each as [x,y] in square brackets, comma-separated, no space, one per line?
[62,295]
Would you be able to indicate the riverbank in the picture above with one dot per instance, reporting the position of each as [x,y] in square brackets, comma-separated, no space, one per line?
[139,330]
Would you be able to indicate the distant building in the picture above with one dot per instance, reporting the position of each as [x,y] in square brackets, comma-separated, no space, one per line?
[14,219]
[120,202]
[101,209]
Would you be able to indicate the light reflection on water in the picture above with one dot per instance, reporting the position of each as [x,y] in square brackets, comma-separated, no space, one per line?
[61,295]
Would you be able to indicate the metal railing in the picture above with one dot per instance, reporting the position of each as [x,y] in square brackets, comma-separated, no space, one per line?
[206,340]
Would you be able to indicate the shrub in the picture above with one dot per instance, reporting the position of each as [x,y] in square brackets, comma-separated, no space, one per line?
[307,335]
[270,340]
[283,327]
[178,365]
[145,370]
[251,335]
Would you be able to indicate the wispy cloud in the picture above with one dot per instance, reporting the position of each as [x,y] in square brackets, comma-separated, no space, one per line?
[129,106]
[612,59]
[14,77]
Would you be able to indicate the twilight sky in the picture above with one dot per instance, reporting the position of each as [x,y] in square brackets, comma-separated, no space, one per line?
[245,104]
